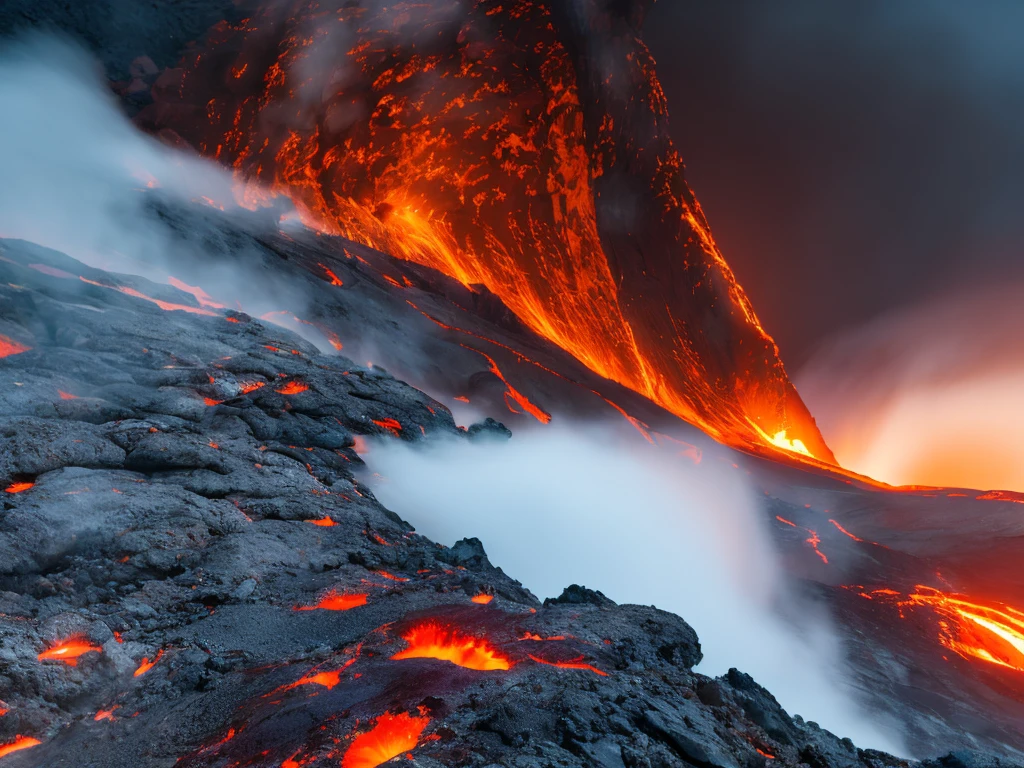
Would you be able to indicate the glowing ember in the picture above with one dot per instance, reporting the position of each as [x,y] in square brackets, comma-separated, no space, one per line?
[574,664]
[165,305]
[323,522]
[293,388]
[391,425]
[245,389]
[844,531]
[19,743]
[9,346]
[333,601]
[145,665]
[389,736]
[335,280]
[66,395]
[391,576]
[18,487]
[431,641]
[106,714]
[482,599]
[69,651]
[209,401]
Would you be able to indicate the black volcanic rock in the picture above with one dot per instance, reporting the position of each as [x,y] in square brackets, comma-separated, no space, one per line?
[170,519]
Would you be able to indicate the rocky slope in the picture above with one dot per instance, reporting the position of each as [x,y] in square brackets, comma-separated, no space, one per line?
[183,488]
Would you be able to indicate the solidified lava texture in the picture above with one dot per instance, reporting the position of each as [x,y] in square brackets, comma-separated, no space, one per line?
[176,566]
[519,145]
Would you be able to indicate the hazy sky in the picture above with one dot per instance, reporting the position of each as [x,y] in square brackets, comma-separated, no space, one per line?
[851,156]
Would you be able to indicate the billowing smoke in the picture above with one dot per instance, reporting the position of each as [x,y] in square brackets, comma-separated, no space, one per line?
[928,396]
[78,177]
[577,504]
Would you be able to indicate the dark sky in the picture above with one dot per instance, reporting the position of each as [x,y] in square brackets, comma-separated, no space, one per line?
[852,156]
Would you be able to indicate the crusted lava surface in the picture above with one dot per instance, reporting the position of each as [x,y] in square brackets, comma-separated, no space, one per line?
[186,513]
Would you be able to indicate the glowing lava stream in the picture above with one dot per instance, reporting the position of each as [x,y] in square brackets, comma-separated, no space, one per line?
[991,633]
[333,601]
[19,743]
[389,736]
[432,641]
[69,651]
[9,346]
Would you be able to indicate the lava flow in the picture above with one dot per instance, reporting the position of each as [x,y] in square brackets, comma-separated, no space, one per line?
[19,743]
[390,736]
[333,601]
[432,641]
[497,146]
[69,651]
[991,633]
[9,346]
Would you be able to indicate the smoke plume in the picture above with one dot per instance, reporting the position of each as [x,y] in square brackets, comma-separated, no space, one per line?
[583,505]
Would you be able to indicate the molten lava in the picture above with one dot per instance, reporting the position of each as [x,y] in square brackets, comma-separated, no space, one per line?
[145,665]
[18,487]
[574,664]
[333,601]
[9,346]
[990,632]
[389,736]
[69,651]
[432,641]
[522,146]
[482,599]
[19,743]
[293,388]
[167,306]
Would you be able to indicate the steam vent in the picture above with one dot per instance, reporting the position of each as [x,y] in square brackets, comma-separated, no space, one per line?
[373,392]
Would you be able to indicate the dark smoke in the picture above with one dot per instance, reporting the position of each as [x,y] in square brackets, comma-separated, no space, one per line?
[852,158]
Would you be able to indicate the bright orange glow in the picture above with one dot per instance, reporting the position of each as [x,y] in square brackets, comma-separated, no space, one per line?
[9,346]
[335,280]
[432,641]
[333,601]
[494,176]
[293,388]
[209,401]
[323,522]
[391,425]
[19,743]
[145,665]
[165,305]
[66,395]
[482,599]
[106,714]
[844,531]
[780,440]
[69,651]
[993,633]
[18,487]
[391,576]
[574,664]
[388,737]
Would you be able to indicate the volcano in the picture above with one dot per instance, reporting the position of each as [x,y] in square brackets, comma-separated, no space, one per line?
[522,147]
[195,569]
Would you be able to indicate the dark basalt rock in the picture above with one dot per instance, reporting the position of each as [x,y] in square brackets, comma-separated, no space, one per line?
[163,523]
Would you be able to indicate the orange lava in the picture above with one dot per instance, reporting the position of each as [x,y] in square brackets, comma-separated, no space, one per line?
[209,401]
[388,737]
[293,388]
[335,280]
[323,522]
[9,346]
[19,743]
[574,664]
[482,599]
[514,394]
[844,531]
[165,305]
[69,651]
[66,395]
[200,295]
[993,632]
[18,487]
[333,601]
[145,665]
[245,389]
[489,158]
[432,641]
[106,714]
[391,425]
[391,576]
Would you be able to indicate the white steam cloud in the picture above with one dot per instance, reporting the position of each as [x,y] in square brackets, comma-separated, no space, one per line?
[564,505]
[928,396]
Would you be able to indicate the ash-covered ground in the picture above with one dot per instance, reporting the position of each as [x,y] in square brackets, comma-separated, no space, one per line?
[182,489]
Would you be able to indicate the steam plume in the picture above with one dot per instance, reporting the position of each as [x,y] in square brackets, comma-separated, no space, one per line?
[559,506]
